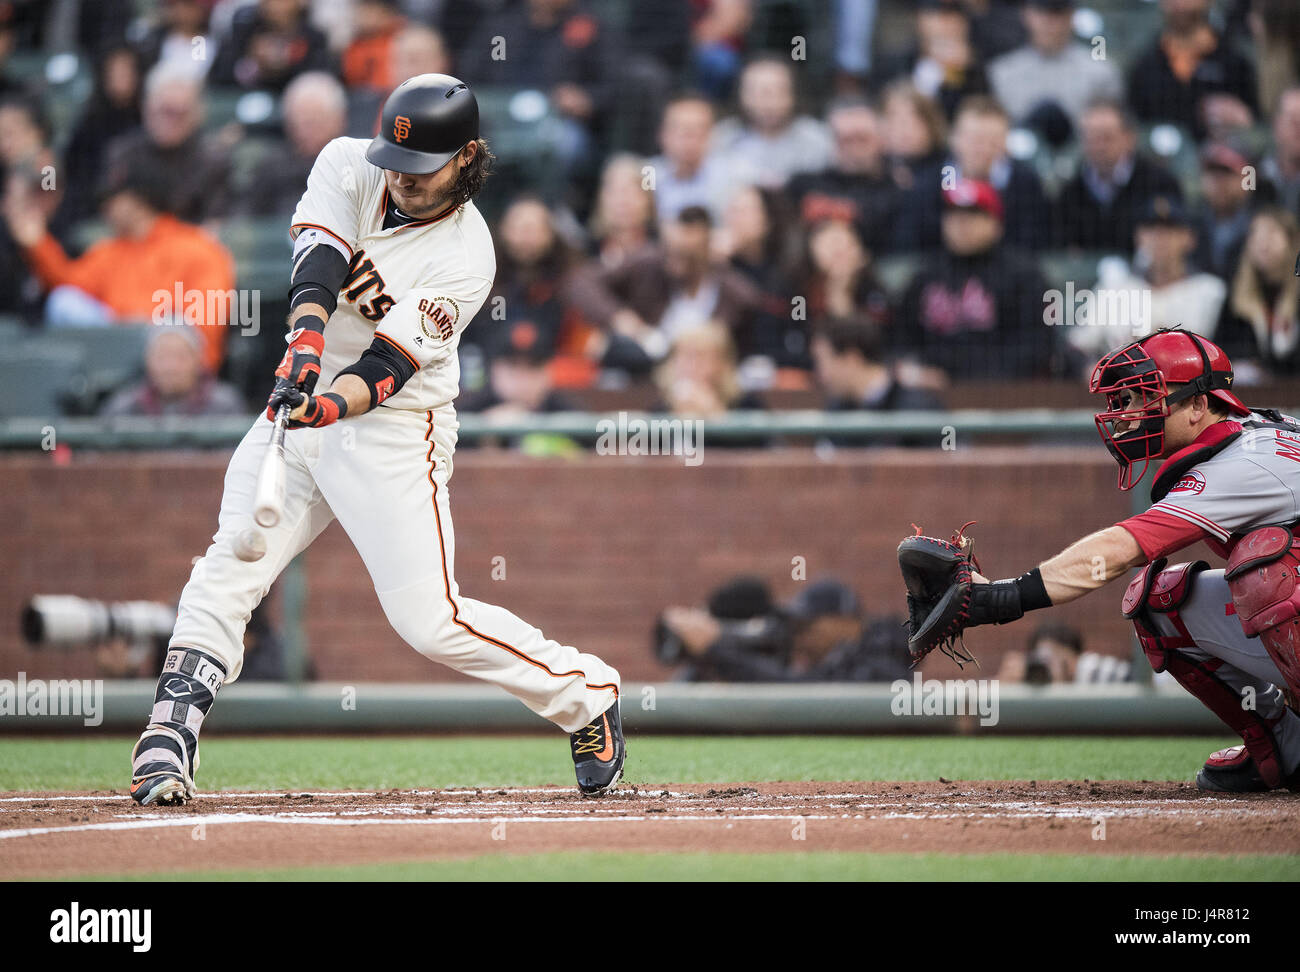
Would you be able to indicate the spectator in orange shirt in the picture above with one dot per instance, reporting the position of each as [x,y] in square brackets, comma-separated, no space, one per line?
[137,273]
[368,60]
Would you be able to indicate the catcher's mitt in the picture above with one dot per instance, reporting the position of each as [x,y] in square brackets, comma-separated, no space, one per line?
[939,588]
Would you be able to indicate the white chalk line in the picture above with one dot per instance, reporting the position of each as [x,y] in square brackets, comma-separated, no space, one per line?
[218,819]
[459,815]
[301,794]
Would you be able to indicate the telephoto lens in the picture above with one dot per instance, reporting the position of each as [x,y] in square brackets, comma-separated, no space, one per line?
[68,622]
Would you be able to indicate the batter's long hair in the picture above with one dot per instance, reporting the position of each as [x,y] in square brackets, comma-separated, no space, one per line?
[470,181]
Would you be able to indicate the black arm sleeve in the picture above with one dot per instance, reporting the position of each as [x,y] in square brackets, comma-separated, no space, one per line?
[318,275]
[384,368]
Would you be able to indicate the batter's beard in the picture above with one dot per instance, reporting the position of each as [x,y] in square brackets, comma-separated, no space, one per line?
[443,202]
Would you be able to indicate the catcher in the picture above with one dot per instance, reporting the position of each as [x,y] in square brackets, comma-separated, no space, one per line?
[1230,476]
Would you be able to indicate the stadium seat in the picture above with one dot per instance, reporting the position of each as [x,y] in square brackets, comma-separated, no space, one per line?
[262,252]
[111,356]
[37,376]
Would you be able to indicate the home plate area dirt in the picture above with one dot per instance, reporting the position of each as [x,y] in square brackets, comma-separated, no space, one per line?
[53,834]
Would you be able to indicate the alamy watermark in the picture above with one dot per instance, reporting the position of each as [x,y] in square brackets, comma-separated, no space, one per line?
[1104,307]
[948,697]
[629,436]
[57,697]
[240,309]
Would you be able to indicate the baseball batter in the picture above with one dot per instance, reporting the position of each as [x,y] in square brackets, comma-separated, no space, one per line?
[391,262]
[1229,476]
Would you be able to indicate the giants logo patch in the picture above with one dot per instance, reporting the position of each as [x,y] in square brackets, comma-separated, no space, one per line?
[401,128]
[1193,483]
[438,317]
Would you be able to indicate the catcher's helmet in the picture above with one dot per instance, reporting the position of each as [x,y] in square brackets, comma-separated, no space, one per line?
[1145,369]
[425,122]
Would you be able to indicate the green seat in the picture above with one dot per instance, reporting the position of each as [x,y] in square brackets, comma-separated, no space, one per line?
[111,356]
[262,253]
[36,376]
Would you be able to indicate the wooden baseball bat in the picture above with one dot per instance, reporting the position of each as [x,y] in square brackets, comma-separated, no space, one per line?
[268,504]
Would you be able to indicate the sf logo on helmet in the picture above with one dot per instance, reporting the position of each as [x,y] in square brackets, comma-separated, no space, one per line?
[401,128]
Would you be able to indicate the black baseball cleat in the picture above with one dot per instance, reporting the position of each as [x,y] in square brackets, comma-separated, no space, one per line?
[160,771]
[598,752]
[1233,771]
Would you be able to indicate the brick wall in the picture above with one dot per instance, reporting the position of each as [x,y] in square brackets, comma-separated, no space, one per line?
[593,548]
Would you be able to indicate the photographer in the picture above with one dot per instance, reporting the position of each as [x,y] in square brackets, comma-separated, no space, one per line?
[820,636]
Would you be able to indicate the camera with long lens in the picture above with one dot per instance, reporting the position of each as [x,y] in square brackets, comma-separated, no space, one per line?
[66,622]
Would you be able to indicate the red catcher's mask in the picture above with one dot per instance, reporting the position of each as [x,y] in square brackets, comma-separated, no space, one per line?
[1142,372]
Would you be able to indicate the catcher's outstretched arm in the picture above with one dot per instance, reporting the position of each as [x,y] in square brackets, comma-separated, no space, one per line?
[1090,563]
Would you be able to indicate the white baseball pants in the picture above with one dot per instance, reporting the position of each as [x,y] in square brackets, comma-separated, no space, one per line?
[384,475]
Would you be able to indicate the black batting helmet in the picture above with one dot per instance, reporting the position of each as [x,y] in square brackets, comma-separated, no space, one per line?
[426,121]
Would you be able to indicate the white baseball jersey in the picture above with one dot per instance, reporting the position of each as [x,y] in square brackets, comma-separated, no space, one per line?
[384,474]
[1251,482]
[418,285]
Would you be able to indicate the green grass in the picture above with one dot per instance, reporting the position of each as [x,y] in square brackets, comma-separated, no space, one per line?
[377,762]
[813,866]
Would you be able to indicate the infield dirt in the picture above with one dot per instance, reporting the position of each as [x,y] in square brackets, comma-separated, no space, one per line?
[60,834]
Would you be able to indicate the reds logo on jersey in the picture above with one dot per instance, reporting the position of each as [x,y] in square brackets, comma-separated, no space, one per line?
[1192,483]
[401,128]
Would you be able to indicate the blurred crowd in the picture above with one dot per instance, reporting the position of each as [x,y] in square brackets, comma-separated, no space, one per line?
[711,201]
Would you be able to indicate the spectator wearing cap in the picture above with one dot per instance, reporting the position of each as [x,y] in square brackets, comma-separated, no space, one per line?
[561,47]
[180,37]
[854,374]
[368,58]
[1053,72]
[113,110]
[1164,288]
[821,635]
[945,65]
[1098,208]
[120,279]
[856,186]
[975,307]
[1190,77]
[270,43]
[1261,318]
[643,303]
[770,142]
[1230,200]
[194,168]
[176,383]
[1281,169]
[519,381]
[979,153]
[685,174]
[315,109]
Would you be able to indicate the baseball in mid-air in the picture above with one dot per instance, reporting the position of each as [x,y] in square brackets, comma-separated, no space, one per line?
[250,545]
